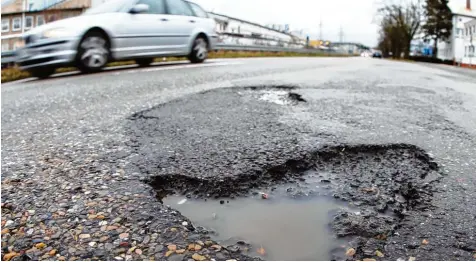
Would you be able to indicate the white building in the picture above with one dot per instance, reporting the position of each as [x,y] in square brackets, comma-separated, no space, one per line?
[469,58]
[236,31]
[454,48]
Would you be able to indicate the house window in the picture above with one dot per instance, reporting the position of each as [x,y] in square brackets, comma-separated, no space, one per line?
[40,20]
[28,22]
[16,24]
[5,25]
[5,47]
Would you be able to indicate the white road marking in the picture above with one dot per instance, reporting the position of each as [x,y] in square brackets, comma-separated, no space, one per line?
[160,66]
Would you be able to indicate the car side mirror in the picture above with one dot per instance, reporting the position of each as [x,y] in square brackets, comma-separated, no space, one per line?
[139,8]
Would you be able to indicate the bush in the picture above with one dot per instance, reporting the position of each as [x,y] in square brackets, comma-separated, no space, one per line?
[427,59]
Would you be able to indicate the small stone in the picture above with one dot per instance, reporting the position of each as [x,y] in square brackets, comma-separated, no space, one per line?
[200,243]
[191,247]
[411,258]
[350,252]
[198,257]
[369,259]
[379,254]
[124,244]
[10,255]
[176,257]
[109,246]
[9,223]
[172,247]
[92,244]
[52,252]
[100,217]
[173,229]
[92,216]
[216,247]
[84,236]
[168,253]
[102,223]
[40,245]
[197,247]
[109,228]
[103,238]
[474,255]
[208,243]
[222,202]
[184,223]
[180,251]
[146,240]
[124,235]
[5,231]
[139,252]
[118,258]
[61,258]
[425,242]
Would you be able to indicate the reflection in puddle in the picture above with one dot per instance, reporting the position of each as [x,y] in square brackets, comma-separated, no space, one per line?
[287,228]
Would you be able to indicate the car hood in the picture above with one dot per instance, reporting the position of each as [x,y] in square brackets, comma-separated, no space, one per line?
[77,24]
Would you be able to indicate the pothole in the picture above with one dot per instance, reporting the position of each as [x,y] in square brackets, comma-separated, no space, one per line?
[316,206]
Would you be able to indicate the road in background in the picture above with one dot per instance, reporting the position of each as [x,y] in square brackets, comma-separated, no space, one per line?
[79,145]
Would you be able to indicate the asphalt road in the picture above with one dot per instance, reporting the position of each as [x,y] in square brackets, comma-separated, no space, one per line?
[78,150]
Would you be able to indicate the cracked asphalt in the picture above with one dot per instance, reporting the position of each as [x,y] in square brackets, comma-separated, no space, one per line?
[78,151]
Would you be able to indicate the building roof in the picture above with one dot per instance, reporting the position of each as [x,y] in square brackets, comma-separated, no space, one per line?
[462,10]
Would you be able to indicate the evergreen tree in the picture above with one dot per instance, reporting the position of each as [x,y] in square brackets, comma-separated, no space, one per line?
[438,22]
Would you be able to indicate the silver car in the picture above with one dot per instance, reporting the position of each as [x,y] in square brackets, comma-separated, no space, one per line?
[120,30]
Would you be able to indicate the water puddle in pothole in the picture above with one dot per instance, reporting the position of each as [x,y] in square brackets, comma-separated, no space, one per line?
[286,226]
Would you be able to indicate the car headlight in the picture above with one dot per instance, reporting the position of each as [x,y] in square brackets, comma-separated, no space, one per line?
[57,33]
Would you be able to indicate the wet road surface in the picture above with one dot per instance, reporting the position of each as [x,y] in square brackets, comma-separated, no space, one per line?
[83,157]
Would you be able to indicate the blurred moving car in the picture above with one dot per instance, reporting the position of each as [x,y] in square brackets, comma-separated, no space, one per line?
[377,54]
[119,30]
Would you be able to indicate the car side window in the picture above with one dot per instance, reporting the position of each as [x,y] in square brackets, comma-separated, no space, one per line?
[155,6]
[179,7]
[198,10]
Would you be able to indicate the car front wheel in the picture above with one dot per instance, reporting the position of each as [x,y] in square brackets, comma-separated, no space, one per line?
[93,52]
[199,50]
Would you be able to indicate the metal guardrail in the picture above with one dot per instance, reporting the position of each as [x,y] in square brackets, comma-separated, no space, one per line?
[270,49]
[8,58]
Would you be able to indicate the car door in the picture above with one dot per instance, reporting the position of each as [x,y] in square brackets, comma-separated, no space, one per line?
[182,23]
[142,34]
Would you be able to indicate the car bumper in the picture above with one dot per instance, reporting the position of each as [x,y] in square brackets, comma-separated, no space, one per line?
[47,53]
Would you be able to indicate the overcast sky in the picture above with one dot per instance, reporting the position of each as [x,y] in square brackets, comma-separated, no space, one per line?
[355,16]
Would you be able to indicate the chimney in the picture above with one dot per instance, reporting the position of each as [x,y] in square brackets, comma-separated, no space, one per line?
[468,4]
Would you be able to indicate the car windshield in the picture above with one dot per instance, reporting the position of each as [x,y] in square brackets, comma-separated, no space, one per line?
[110,6]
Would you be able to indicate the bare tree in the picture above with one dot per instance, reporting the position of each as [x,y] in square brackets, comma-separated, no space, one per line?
[399,25]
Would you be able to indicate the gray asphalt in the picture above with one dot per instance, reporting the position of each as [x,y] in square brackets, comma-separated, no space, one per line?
[107,132]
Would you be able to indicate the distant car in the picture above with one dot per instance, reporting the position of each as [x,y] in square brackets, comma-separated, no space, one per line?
[377,55]
[118,30]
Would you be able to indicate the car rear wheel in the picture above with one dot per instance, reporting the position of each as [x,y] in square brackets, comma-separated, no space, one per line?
[93,52]
[143,62]
[42,73]
[199,50]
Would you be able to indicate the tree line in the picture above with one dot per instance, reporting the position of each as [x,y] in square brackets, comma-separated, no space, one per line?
[400,23]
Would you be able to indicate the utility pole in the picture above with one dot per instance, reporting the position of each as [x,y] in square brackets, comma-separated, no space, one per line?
[341,35]
[320,29]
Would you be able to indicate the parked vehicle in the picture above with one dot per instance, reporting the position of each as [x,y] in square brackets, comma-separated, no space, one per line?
[118,30]
[377,54]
